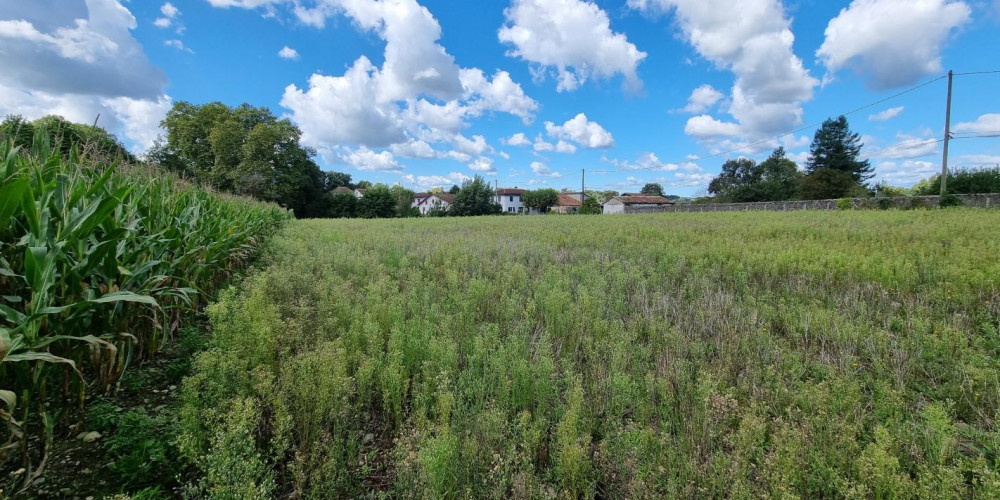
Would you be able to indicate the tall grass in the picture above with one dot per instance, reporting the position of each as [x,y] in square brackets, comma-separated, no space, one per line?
[98,263]
[744,355]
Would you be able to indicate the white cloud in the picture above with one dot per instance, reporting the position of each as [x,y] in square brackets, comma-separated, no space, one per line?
[499,94]
[702,99]
[414,149]
[179,45]
[345,109]
[504,155]
[162,22]
[988,123]
[483,164]
[289,53]
[753,39]
[649,161]
[427,182]
[368,160]
[518,139]
[892,42]
[906,148]
[887,114]
[571,38]
[540,169]
[541,145]
[169,11]
[582,131]
[906,173]
[79,61]
[565,148]
[475,146]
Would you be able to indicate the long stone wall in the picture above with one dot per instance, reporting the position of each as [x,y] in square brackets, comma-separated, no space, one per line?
[902,202]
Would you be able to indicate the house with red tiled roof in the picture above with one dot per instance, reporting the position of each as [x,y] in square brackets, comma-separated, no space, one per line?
[510,200]
[568,203]
[626,204]
[419,198]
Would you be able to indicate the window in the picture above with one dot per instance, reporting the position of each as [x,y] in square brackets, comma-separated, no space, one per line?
[512,198]
[520,210]
[510,209]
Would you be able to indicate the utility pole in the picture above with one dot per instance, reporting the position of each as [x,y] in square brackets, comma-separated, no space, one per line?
[583,184]
[947,138]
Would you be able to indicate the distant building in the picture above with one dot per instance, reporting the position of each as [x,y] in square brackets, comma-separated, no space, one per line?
[440,201]
[359,193]
[569,203]
[627,204]
[343,190]
[510,200]
[419,198]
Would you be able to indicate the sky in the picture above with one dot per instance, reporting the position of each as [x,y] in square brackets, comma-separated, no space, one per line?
[528,93]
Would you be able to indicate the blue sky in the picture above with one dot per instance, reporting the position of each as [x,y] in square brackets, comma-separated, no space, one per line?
[528,92]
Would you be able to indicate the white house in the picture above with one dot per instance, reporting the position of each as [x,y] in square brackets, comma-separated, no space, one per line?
[419,198]
[441,201]
[510,200]
[625,204]
[359,193]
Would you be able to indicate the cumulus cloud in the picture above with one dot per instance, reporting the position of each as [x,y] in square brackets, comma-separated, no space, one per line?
[887,114]
[518,139]
[571,39]
[752,39]
[427,182]
[649,161]
[988,123]
[702,99]
[483,164]
[418,91]
[169,13]
[345,109]
[582,131]
[542,170]
[565,148]
[288,53]
[414,149]
[891,42]
[905,173]
[365,159]
[79,60]
[541,145]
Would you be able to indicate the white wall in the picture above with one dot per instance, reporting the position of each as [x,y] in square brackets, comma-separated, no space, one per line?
[614,207]
[508,206]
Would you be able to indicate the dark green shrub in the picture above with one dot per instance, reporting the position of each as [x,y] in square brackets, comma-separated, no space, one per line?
[949,200]
[886,204]
[845,204]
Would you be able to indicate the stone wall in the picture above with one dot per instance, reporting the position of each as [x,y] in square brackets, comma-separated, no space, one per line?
[903,202]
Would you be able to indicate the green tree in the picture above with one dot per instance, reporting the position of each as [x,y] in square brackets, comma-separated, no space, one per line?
[590,206]
[364,185]
[744,180]
[971,181]
[475,198]
[835,147]
[343,206]
[334,180]
[244,150]
[87,139]
[454,189]
[828,184]
[540,199]
[780,177]
[404,202]
[377,203]
[652,189]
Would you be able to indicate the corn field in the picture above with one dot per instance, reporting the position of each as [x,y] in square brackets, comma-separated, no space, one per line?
[99,262]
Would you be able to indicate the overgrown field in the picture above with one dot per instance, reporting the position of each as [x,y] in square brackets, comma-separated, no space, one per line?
[736,355]
[99,264]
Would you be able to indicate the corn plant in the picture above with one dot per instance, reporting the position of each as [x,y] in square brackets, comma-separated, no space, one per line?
[98,263]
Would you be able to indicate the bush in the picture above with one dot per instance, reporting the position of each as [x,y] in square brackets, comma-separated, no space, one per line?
[949,200]
[886,204]
[845,204]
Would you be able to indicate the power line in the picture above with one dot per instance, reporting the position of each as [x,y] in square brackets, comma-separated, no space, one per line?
[800,129]
[990,72]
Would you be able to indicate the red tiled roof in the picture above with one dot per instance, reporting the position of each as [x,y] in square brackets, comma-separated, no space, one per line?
[446,197]
[421,195]
[510,191]
[644,200]
[566,200]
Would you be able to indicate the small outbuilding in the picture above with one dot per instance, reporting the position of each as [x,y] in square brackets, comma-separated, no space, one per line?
[636,204]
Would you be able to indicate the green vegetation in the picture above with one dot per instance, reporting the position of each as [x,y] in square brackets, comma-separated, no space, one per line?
[971,181]
[849,354]
[742,180]
[540,199]
[99,262]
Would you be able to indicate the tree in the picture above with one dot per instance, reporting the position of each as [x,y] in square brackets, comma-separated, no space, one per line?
[590,206]
[244,150]
[343,206]
[64,135]
[475,198]
[737,182]
[780,177]
[404,202]
[828,183]
[984,180]
[377,203]
[454,189]
[364,185]
[652,189]
[540,199]
[334,180]
[835,147]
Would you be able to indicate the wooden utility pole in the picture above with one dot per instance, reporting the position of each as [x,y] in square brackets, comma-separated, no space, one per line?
[947,138]
[583,188]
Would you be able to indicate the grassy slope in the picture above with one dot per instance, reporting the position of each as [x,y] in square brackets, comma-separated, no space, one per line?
[809,354]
